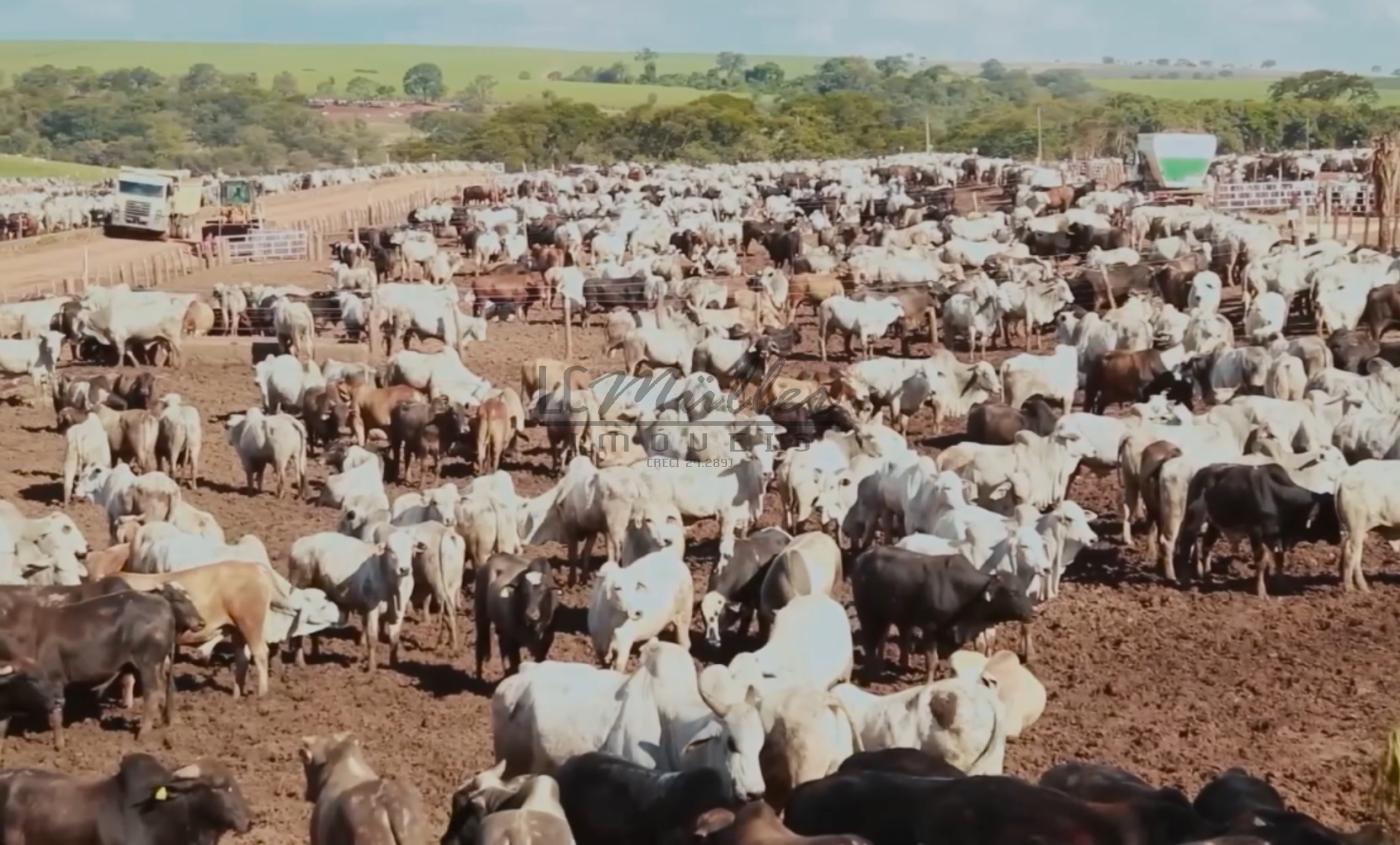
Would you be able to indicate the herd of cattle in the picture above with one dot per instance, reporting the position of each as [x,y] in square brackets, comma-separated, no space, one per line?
[31,207]
[1297,442]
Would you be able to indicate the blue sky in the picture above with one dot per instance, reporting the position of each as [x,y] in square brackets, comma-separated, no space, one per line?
[1351,34]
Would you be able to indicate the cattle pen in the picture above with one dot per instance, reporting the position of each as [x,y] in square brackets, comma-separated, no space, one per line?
[1175,683]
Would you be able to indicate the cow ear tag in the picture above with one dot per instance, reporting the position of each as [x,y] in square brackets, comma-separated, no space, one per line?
[162,793]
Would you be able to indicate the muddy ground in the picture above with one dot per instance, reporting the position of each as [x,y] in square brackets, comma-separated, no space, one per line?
[1173,684]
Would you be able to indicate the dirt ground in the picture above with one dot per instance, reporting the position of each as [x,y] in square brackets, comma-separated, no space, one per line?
[1173,684]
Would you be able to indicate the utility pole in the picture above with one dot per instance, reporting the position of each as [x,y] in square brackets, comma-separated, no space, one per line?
[928,143]
[1039,137]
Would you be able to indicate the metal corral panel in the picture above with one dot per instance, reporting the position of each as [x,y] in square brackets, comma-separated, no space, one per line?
[1177,159]
[1264,196]
[265,245]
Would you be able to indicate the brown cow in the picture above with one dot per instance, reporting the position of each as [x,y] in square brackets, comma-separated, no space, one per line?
[108,561]
[353,805]
[544,374]
[814,289]
[235,594]
[492,433]
[757,824]
[1059,199]
[132,435]
[373,407]
[1122,376]
[520,291]
[1382,310]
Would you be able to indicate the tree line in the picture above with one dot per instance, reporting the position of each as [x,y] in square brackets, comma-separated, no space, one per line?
[204,120]
[851,106]
[848,106]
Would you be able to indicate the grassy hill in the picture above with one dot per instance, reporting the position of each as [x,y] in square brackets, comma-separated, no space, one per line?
[385,63]
[14,167]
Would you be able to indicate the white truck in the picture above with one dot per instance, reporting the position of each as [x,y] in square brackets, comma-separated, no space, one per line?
[155,202]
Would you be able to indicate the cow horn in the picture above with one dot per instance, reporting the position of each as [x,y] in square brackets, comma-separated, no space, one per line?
[189,772]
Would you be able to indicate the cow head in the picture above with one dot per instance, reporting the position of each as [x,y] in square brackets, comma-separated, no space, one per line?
[534,598]
[442,503]
[1004,599]
[737,737]
[91,482]
[712,610]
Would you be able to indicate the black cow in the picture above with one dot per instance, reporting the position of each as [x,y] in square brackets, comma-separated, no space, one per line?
[687,242]
[44,649]
[783,247]
[1103,784]
[1083,237]
[1239,803]
[900,761]
[1382,310]
[997,424]
[517,596]
[979,810]
[946,598]
[1113,283]
[611,801]
[808,422]
[325,416]
[1352,349]
[12,594]
[734,585]
[1259,502]
[144,802]
[753,230]
[879,806]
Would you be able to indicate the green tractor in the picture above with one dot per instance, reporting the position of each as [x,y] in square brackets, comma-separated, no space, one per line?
[237,212]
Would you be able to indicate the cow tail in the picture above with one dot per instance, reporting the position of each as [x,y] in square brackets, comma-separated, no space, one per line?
[300,456]
[1191,523]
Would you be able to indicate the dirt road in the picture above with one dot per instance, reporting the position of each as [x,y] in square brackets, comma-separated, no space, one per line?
[44,264]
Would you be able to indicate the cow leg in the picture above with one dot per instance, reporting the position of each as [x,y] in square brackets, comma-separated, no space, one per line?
[1205,552]
[56,724]
[874,648]
[1353,575]
[128,690]
[371,635]
[1260,567]
[449,614]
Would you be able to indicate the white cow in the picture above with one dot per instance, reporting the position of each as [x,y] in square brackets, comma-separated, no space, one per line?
[662,717]
[959,720]
[262,439]
[636,604]
[810,646]
[375,581]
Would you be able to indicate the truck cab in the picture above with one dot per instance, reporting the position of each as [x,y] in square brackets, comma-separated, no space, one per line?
[162,203]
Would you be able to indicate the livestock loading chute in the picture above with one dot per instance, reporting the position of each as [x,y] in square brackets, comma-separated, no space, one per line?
[150,202]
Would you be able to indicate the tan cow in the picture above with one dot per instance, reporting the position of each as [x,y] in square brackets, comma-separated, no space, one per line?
[232,593]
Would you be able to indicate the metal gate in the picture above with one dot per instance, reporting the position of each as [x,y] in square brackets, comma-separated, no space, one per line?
[265,245]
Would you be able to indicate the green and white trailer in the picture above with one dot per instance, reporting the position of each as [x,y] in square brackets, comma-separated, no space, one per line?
[1175,161]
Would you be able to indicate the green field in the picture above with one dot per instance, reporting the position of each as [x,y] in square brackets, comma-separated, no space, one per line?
[15,167]
[1247,88]
[385,63]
